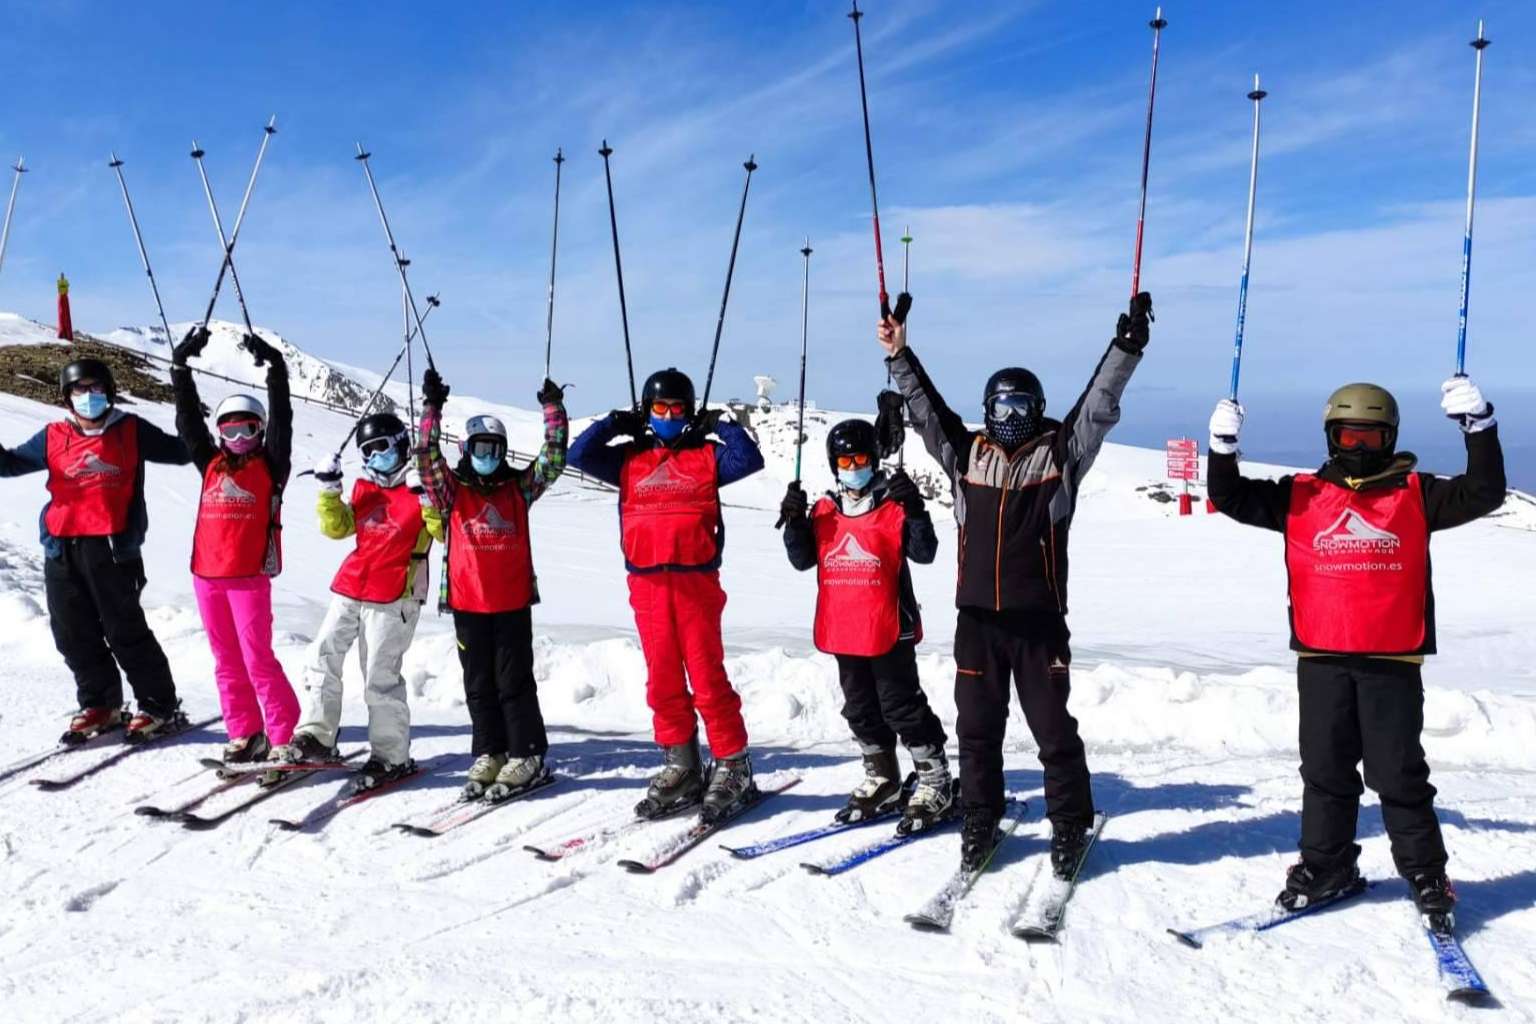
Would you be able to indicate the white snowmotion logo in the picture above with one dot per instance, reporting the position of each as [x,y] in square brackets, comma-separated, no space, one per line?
[850,554]
[1351,533]
[664,479]
[227,492]
[491,521]
[377,519]
[90,464]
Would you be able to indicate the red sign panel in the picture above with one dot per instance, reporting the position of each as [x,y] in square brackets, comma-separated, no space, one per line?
[1184,459]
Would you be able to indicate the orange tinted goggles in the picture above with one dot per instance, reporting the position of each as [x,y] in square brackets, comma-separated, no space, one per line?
[859,459]
[673,409]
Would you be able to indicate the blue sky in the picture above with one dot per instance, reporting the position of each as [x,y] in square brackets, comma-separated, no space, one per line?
[1007,134]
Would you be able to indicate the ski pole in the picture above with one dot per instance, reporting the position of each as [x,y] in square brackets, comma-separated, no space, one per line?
[554,247]
[1479,44]
[730,271]
[20,168]
[410,370]
[903,301]
[226,246]
[618,266]
[362,158]
[1242,289]
[805,323]
[267,133]
[138,237]
[1156,24]
[906,288]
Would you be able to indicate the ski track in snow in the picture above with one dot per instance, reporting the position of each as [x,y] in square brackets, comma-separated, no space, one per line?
[1181,682]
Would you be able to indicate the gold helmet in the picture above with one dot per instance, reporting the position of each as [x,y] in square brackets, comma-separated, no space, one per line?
[1362,403]
[1360,421]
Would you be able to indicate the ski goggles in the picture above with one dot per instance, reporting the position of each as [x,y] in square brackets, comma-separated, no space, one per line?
[485,448]
[856,459]
[235,430]
[1013,403]
[379,445]
[1351,437]
[87,387]
[662,407]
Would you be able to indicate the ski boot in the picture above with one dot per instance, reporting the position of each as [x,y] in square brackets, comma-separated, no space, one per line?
[247,749]
[679,784]
[1436,899]
[517,775]
[305,748]
[730,787]
[89,723]
[149,725]
[879,793]
[1068,841]
[979,836]
[1306,885]
[482,774]
[375,773]
[933,801]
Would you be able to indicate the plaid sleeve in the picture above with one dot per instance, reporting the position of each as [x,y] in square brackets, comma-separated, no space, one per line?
[546,469]
[430,464]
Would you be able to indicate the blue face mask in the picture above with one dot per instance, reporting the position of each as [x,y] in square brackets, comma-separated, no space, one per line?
[90,406]
[856,479]
[485,465]
[385,462]
[668,429]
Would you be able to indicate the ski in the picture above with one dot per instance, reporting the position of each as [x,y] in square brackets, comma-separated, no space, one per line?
[462,812]
[753,850]
[152,811]
[57,783]
[227,770]
[33,760]
[868,853]
[587,840]
[1271,917]
[347,798]
[700,831]
[1045,903]
[265,792]
[937,914]
[1460,979]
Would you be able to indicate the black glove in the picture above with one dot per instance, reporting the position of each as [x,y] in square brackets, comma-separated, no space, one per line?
[193,344]
[794,505]
[1131,331]
[901,488]
[433,390]
[551,393]
[890,422]
[628,421]
[706,421]
[260,350]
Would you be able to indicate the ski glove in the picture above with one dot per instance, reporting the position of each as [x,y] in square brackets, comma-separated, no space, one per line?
[551,393]
[628,421]
[1226,424]
[794,505]
[191,345]
[1132,331]
[328,472]
[260,350]
[706,421]
[901,488]
[1463,402]
[433,390]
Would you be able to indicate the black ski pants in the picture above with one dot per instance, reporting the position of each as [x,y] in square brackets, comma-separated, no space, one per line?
[496,652]
[883,699]
[989,649]
[98,625]
[1372,710]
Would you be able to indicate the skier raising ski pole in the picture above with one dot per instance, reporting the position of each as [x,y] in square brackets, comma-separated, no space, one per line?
[1362,610]
[669,473]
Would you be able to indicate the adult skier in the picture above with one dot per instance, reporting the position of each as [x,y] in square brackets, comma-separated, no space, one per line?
[1362,614]
[376,601]
[669,474]
[1016,484]
[859,539]
[237,543]
[92,530]
[489,582]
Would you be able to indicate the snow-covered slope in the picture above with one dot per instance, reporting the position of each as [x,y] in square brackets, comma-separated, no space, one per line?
[1182,684]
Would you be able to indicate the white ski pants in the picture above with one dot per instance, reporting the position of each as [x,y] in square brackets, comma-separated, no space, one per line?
[382,632]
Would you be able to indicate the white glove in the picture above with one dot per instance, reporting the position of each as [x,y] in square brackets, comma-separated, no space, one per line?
[328,472]
[1226,424]
[1464,403]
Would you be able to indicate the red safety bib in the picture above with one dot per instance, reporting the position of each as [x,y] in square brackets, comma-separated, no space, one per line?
[238,532]
[1359,566]
[490,559]
[669,507]
[91,478]
[389,524]
[858,578]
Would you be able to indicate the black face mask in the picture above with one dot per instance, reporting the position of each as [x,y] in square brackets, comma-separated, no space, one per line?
[1361,462]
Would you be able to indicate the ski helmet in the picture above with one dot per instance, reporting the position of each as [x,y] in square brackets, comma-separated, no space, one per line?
[240,405]
[87,369]
[381,426]
[1014,404]
[1352,414]
[485,428]
[670,384]
[852,437]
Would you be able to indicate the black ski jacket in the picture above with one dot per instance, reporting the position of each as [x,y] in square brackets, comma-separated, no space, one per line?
[192,423]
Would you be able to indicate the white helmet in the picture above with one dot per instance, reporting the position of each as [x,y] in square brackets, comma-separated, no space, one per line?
[240,405]
[484,426]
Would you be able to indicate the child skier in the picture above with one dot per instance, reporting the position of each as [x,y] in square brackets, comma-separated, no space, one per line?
[489,582]
[237,543]
[377,598]
[669,476]
[1016,485]
[92,530]
[1362,616]
[859,539]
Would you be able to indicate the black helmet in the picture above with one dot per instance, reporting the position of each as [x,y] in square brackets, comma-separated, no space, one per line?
[381,425]
[1013,380]
[1014,404]
[851,437]
[670,384]
[87,369]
